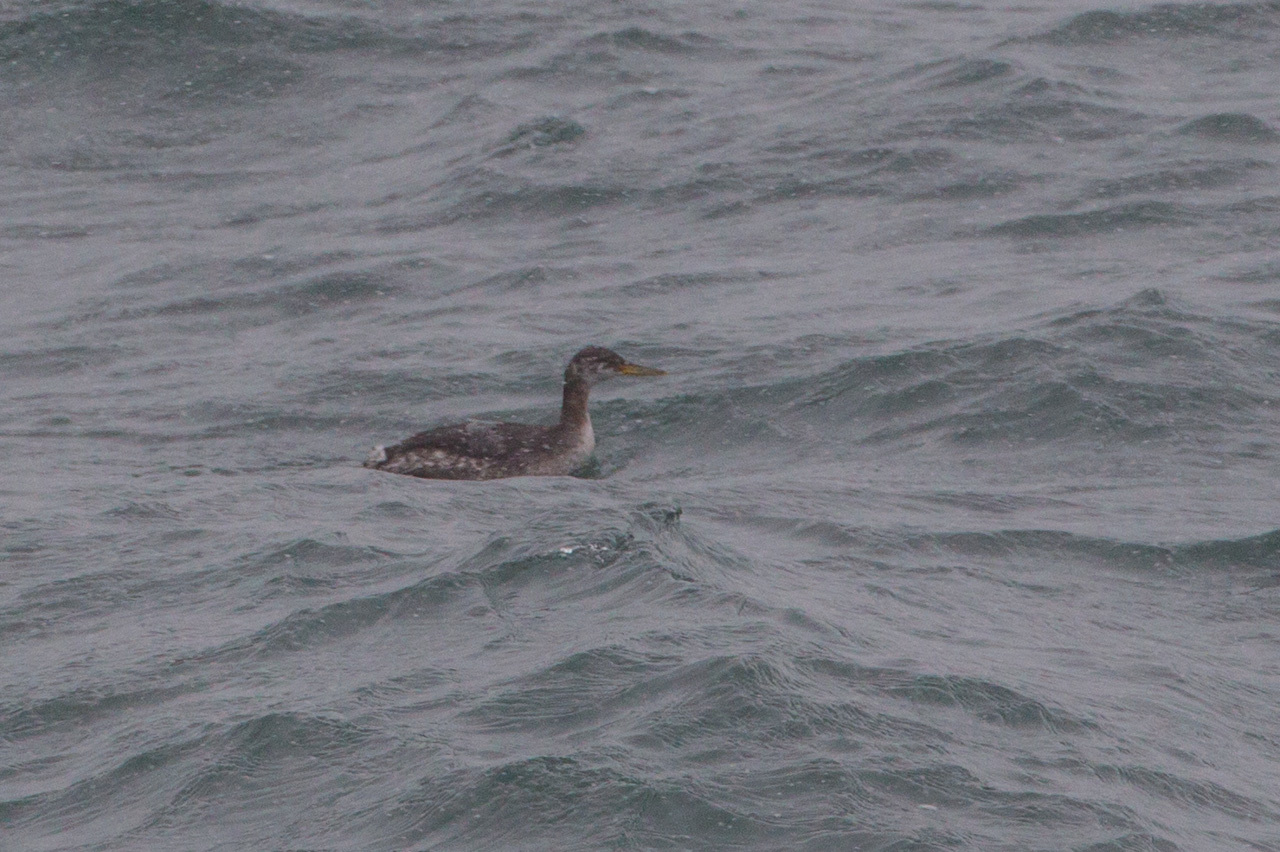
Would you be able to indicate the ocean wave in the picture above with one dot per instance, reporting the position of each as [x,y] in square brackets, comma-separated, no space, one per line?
[1191,175]
[1006,100]
[46,362]
[119,30]
[1166,21]
[1108,220]
[1231,127]
[164,784]
[1084,373]
[1260,552]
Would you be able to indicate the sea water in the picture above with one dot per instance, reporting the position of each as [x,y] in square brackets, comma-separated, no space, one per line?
[954,525]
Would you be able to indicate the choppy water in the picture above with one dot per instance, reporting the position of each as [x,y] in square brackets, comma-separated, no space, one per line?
[953,527]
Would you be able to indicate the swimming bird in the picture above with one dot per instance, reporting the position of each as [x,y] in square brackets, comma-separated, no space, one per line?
[494,450]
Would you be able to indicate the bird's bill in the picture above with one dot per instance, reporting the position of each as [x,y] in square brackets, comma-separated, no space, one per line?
[637,370]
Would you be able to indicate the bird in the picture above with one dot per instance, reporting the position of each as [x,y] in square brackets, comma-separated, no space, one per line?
[477,450]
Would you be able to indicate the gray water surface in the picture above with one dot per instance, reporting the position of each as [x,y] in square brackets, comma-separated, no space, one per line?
[952,527]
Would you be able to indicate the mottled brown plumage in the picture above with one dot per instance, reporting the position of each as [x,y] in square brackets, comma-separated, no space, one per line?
[495,450]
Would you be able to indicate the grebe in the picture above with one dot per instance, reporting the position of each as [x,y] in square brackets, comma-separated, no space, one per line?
[495,450]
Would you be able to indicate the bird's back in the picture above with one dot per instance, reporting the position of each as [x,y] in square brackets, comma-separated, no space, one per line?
[483,451]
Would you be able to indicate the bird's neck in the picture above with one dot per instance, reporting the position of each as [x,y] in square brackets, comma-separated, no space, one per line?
[573,413]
